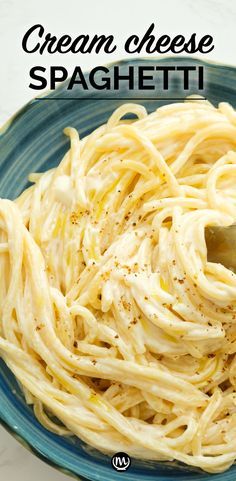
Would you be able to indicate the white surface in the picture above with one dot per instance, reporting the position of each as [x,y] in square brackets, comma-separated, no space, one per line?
[18,464]
[120,18]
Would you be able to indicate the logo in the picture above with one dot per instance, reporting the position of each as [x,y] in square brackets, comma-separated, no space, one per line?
[121,461]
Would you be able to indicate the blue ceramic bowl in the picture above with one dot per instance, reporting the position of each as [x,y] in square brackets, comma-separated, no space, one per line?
[33,141]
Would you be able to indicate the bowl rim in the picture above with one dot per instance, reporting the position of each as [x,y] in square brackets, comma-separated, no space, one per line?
[121,61]
[5,423]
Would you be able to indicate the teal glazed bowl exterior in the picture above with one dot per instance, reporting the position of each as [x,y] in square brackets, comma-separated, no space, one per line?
[33,141]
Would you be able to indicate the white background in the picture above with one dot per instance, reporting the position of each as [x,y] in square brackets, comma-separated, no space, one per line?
[120,18]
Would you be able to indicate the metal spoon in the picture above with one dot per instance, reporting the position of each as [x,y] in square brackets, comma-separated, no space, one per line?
[221,245]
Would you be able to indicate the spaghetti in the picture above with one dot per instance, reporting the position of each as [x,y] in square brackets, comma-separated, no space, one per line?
[112,319]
